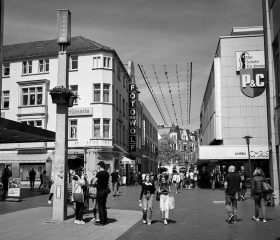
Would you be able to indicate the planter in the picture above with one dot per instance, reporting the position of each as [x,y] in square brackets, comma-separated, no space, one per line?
[60,98]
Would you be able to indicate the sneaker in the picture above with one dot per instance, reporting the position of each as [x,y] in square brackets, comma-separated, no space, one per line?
[230,219]
[93,220]
[255,218]
[49,202]
[149,223]
[144,221]
[264,220]
[165,222]
[82,222]
[77,222]
[97,220]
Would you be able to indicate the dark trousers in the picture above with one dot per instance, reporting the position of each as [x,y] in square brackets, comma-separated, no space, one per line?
[41,184]
[101,203]
[32,183]
[79,210]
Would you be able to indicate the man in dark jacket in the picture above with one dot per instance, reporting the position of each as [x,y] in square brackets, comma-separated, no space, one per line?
[5,180]
[232,186]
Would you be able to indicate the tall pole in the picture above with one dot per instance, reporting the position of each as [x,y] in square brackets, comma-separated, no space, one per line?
[59,167]
[249,158]
[1,48]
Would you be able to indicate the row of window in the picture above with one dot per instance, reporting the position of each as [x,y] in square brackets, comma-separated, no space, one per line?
[44,65]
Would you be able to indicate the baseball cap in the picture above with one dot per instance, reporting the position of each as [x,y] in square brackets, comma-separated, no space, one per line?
[101,163]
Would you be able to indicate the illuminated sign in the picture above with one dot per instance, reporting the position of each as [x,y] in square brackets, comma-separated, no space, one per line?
[132,117]
[249,59]
[64,26]
[252,82]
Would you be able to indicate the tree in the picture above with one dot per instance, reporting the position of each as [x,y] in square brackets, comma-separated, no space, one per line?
[167,151]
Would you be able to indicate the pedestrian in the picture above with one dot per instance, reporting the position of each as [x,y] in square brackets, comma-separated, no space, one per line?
[188,180]
[232,186]
[139,178]
[192,179]
[176,181]
[5,180]
[259,196]
[78,195]
[102,181]
[164,190]
[92,195]
[115,181]
[44,186]
[146,199]
[181,185]
[244,186]
[213,178]
[32,176]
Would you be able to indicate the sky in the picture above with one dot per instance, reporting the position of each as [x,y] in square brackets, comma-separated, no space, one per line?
[149,32]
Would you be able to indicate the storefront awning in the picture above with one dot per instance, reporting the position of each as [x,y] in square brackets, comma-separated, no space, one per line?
[126,160]
[16,132]
[24,158]
[120,149]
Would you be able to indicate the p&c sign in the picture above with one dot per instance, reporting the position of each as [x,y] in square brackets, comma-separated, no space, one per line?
[252,81]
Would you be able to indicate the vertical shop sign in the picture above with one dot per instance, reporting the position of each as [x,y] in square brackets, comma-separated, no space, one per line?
[132,117]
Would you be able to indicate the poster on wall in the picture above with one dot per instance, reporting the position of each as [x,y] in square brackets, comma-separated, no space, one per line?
[14,187]
[249,59]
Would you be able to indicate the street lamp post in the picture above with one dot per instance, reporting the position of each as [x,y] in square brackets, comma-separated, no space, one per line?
[249,158]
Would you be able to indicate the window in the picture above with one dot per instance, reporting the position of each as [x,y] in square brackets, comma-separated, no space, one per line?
[32,96]
[106,128]
[124,135]
[117,99]
[97,62]
[43,65]
[119,73]
[117,132]
[106,92]
[6,99]
[107,62]
[96,92]
[74,88]
[34,123]
[123,102]
[73,126]
[120,102]
[74,63]
[96,128]
[26,67]
[6,70]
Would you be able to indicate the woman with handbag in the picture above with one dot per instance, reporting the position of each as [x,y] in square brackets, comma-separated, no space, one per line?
[92,195]
[146,199]
[258,194]
[78,196]
[164,190]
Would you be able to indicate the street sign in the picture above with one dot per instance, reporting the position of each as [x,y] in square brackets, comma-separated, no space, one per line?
[252,82]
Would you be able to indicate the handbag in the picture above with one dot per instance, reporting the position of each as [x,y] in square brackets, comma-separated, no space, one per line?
[78,197]
[171,202]
[92,191]
[267,189]
[158,196]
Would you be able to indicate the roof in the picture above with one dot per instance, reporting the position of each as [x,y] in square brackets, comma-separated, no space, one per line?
[49,48]
[16,132]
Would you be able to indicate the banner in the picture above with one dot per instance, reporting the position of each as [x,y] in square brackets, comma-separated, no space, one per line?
[14,187]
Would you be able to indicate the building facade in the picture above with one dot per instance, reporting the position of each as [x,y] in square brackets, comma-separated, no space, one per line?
[98,123]
[227,114]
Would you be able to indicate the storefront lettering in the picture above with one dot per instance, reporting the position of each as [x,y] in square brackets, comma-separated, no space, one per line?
[81,111]
[132,117]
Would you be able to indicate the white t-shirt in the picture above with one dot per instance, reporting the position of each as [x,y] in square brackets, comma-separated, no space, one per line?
[191,175]
[176,178]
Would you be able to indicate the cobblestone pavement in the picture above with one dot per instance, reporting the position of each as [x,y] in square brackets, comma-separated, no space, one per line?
[199,214]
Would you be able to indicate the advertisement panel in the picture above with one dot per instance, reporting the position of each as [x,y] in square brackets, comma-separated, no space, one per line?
[249,59]
[14,187]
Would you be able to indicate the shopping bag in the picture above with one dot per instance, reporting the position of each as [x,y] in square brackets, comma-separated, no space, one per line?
[171,202]
[92,192]
[267,189]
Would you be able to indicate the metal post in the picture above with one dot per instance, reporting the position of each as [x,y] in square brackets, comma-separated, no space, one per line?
[249,158]
[1,47]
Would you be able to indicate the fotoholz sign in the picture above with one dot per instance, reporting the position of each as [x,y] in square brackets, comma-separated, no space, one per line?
[252,82]
[132,117]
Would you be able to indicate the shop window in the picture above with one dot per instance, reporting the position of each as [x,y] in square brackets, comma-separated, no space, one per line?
[26,67]
[43,65]
[6,69]
[106,128]
[96,128]
[74,63]
[32,96]
[106,92]
[73,127]
[96,92]
[6,99]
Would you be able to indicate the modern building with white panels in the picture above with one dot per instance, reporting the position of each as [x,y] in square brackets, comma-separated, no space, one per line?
[227,115]
[98,123]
